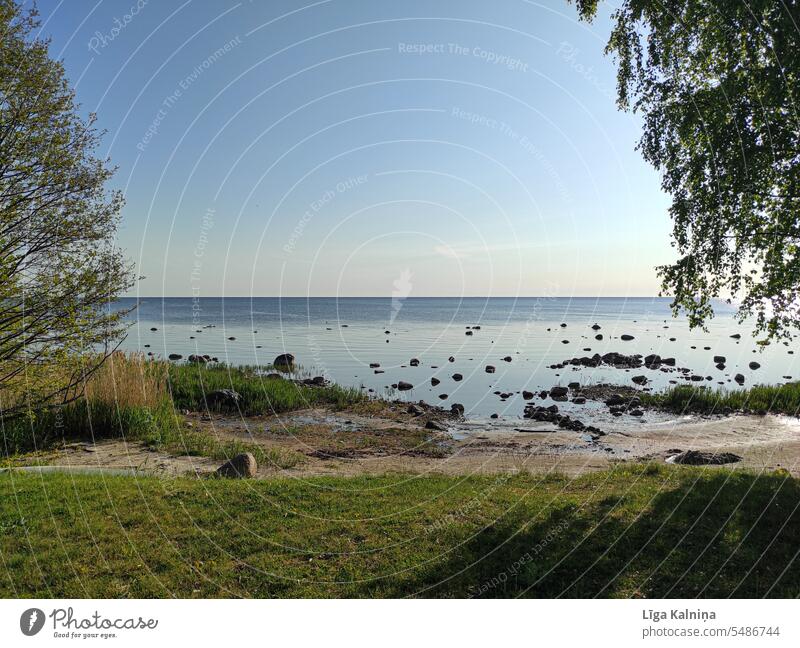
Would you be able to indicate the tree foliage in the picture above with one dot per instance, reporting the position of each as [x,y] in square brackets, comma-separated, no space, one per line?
[59,268]
[717,84]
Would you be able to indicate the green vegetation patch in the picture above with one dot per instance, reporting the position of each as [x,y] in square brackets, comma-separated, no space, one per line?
[635,531]
[190,385]
[777,399]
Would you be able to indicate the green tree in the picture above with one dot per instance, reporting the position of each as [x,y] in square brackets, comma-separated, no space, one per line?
[716,82]
[59,268]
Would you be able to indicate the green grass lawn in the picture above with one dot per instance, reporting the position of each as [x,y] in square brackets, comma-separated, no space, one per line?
[637,531]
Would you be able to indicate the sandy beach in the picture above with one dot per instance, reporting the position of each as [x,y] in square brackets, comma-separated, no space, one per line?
[356,443]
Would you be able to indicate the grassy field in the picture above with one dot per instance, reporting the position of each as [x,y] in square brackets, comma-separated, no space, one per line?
[637,531]
[777,399]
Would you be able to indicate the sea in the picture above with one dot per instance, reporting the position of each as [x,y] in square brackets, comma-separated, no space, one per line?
[340,338]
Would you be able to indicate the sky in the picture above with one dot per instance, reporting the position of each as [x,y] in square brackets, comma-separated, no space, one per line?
[366,148]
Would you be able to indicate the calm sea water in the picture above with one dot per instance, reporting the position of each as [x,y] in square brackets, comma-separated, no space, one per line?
[340,337]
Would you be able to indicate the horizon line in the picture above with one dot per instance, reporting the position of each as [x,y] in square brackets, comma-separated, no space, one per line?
[403,298]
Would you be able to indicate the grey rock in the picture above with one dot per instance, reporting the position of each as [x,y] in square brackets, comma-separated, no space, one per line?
[698,458]
[223,398]
[284,362]
[239,467]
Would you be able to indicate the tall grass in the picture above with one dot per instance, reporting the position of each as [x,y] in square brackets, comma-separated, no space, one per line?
[190,385]
[126,397]
[776,399]
[132,397]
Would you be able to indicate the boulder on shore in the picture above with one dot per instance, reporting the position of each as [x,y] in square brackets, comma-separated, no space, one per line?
[284,362]
[698,458]
[241,466]
[223,398]
[415,410]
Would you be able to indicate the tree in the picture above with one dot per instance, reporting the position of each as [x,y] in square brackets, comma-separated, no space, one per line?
[716,82]
[59,268]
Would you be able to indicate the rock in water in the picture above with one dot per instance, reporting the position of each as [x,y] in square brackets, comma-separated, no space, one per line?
[457,377]
[754,365]
[457,409]
[489,369]
[404,386]
[558,392]
[435,381]
[241,466]
[175,356]
[626,337]
[284,362]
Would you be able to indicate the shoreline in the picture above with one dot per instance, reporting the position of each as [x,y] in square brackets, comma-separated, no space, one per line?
[353,442]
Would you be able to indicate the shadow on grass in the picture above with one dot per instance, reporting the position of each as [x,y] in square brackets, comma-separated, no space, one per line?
[726,534]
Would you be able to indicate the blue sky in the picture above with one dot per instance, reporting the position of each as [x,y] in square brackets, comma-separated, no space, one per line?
[348,147]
